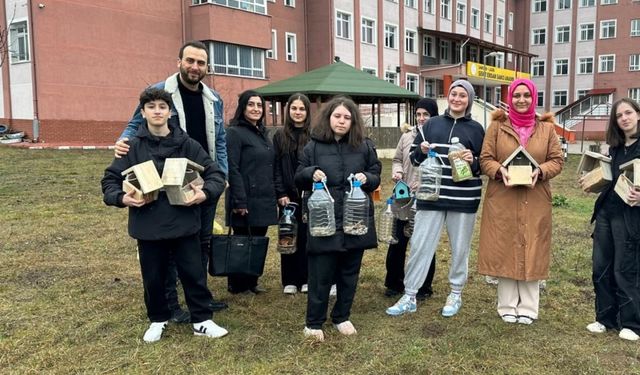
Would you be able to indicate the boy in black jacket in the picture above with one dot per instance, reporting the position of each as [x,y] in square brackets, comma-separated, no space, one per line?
[161,229]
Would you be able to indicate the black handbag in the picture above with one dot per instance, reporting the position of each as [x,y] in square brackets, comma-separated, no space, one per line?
[237,254]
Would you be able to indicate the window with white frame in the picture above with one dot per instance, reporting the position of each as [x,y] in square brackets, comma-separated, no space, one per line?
[410,3]
[500,26]
[343,25]
[539,6]
[539,36]
[563,4]
[255,6]
[537,68]
[445,7]
[488,23]
[292,48]
[635,27]
[607,63]
[581,93]
[510,21]
[560,67]
[585,65]
[368,31]
[237,60]
[607,29]
[563,34]
[19,42]
[634,93]
[560,98]
[540,98]
[412,82]
[290,3]
[587,3]
[428,6]
[272,53]
[587,31]
[371,71]
[391,77]
[634,62]
[475,18]
[428,48]
[499,60]
[410,41]
[608,2]
[461,13]
[444,50]
[390,35]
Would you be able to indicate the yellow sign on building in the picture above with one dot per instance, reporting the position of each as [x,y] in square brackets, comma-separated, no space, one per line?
[494,74]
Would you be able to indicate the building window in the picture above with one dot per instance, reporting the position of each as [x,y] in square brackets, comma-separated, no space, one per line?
[292,48]
[634,62]
[607,63]
[539,6]
[607,29]
[587,31]
[19,42]
[634,93]
[560,67]
[635,27]
[510,21]
[410,41]
[410,3]
[475,18]
[273,52]
[444,9]
[412,82]
[290,3]
[537,68]
[390,36]
[488,23]
[461,13]
[427,47]
[563,34]
[391,77]
[560,98]
[563,4]
[371,71]
[444,50]
[581,93]
[368,31]
[428,6]
[500,26]
[233,59]
[540,98]
[429,88]
[608,2]
[585,65]
[539,37]
[587,3]
[343,25]
[255,6]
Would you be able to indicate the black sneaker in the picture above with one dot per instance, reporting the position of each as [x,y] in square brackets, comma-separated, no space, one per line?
[392,292]
[217,306]
[421,296]
[180,316]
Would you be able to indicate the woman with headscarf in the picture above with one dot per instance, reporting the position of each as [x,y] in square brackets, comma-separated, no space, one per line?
[515,231]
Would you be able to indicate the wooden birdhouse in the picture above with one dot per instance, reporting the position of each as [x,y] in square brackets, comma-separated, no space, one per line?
[595,170]
[520,165]
[401,191]
[144,179]
[177,176]
[629,179]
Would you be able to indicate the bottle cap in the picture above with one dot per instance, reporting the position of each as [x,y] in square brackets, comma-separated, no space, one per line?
[455,140]
[432,154]
[318,186]
[357,183]
[390,201]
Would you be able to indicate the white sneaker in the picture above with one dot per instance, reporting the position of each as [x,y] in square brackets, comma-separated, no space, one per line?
[316,334]
[491,280]
[334,290]
[208,328]
[304,288]
[346,328]
[154,332]
[596,327]
[290,289]
[628,334]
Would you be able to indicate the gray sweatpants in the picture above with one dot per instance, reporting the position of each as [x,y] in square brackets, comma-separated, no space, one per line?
[424,241]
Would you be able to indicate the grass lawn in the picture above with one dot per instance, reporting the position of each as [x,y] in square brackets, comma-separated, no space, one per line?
[71,298]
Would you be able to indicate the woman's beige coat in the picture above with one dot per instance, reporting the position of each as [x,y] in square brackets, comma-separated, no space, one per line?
[515,231]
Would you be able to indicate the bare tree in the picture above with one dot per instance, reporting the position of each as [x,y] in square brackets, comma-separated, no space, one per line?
[5,38]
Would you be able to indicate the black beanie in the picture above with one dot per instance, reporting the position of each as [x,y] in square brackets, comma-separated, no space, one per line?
[429,104]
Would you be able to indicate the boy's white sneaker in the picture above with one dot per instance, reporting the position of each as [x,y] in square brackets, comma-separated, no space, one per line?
[316,334]
[596,327]
[209,329]
[154,332]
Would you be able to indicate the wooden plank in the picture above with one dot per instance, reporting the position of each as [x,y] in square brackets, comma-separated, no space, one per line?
[147,176]
[520,175]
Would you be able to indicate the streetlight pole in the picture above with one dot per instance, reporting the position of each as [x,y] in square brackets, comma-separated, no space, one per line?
[484,85]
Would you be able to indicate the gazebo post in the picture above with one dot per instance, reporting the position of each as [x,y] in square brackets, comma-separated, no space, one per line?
[373,115]
[398,113]
[378,113]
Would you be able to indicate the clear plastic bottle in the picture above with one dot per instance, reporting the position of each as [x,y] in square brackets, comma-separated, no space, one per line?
[386,226]
[460,169]
[322,221]
[430,176]
[355,220]
[408,227]
[287,230]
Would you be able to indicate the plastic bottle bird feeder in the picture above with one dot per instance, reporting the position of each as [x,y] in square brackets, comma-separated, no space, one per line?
[595,169]
[177,177]
[520,165]
[144,179]
[629,179]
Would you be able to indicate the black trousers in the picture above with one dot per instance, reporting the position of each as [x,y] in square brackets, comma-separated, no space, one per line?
[324,269]
[207,215]
[293,267]
[616,271]
[154,264]
[242,283]
[396,256]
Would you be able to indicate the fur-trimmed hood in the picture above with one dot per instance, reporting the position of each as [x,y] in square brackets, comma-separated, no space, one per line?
[501,116]
[405,128]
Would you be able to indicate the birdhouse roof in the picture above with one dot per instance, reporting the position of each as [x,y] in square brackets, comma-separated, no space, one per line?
[516,152]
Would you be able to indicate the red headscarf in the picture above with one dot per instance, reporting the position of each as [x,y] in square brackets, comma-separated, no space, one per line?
[523,122]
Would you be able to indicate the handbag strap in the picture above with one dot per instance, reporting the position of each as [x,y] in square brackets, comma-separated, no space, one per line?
[231,225]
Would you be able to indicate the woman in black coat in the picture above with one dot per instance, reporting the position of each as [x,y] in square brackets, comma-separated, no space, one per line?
[250,200]
[338,148]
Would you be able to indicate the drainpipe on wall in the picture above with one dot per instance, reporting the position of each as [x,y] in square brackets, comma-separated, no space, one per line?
[34,77]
